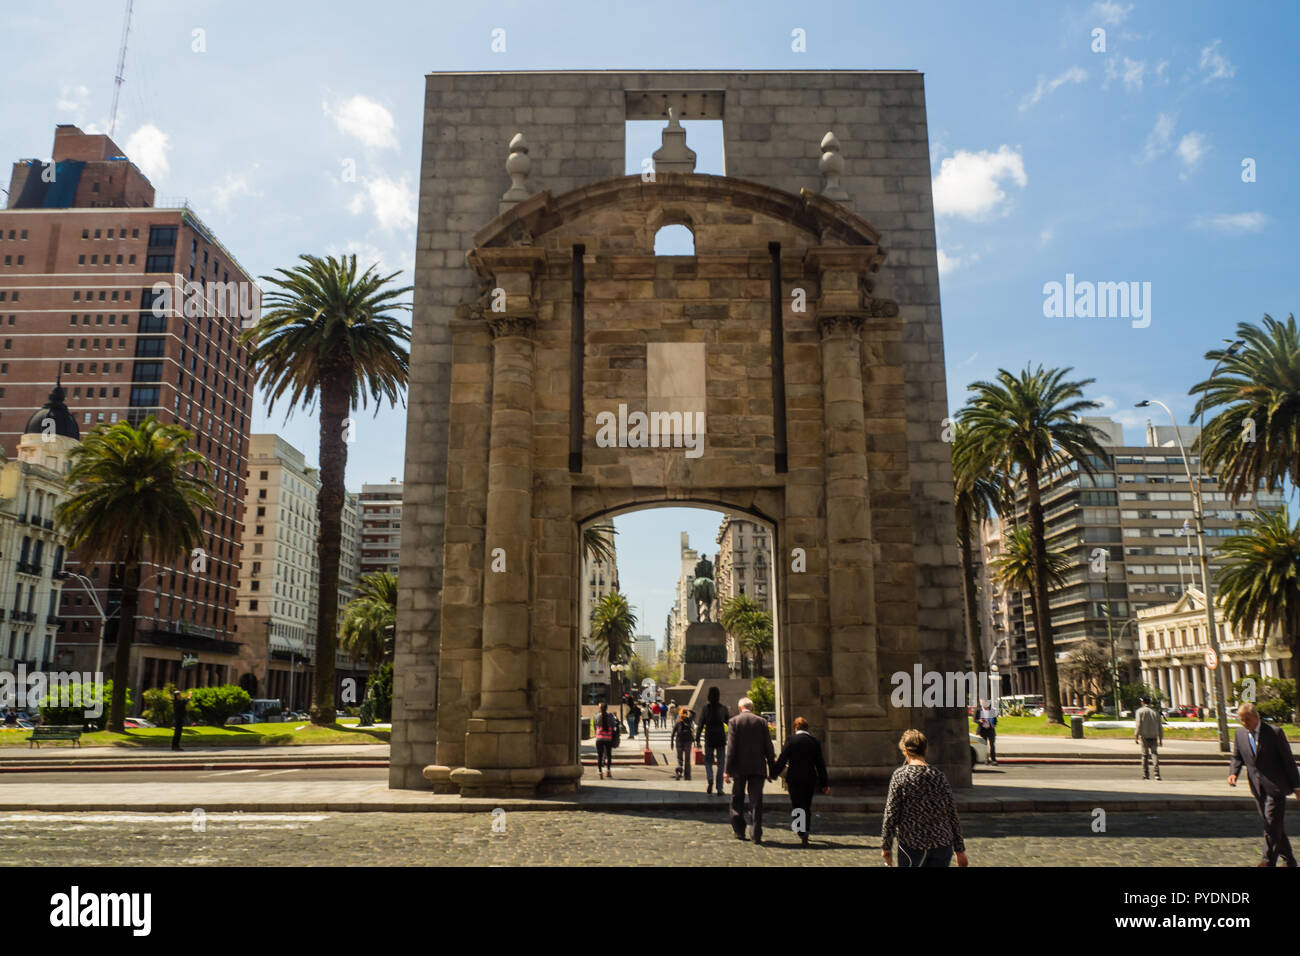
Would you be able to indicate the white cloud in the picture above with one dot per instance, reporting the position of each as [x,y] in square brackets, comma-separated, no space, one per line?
[1075,74]
[1112,13]
[74,100]
[147,147]
[365,119]
[1131,72]
[1234,223]
[1160,137]
[1190,150]
[970,184]
[952,263]
[232,186]
[391,200]
[1045,236]
[1215,65]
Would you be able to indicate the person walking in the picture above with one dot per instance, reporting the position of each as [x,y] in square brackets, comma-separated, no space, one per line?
[713,728]
[801,758]
[1149,732]
[987,723]
[750,761]
[178,718]
[683,737]
[1264,751]
[919,811]
[633,718]
[606,723]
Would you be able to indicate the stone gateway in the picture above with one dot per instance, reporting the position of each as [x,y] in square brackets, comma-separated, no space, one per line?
[804,332]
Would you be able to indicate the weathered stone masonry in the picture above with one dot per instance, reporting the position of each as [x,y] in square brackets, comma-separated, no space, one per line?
[486,677]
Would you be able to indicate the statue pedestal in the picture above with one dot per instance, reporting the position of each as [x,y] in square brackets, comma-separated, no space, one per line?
[704,652]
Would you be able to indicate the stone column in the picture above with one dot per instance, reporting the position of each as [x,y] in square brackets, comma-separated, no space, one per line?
[1196,687]
[851,567]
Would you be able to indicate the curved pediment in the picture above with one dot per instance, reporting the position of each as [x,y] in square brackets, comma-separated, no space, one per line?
[826,221]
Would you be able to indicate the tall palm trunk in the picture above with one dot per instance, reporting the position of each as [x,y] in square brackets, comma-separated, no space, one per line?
[125,637]
[335,399]
[1043,611]
[972,602]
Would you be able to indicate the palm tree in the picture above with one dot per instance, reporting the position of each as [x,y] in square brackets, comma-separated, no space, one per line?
[977,493]
[326,335]
[1015,566]
[613,626]
[598,542]
[1031,421]
[757,638]
[135,495]
[735,614]
[1259,581]
[1255,436]
[368,618]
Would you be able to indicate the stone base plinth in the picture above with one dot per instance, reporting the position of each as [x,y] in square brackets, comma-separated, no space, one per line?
[704,652]
[520,782]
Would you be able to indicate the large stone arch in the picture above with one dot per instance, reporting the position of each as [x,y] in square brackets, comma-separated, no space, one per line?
[805,424]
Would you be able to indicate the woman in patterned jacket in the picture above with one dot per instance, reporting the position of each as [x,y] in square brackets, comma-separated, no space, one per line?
[919,811]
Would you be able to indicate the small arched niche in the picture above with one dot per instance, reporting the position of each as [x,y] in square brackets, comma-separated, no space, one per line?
[674,239]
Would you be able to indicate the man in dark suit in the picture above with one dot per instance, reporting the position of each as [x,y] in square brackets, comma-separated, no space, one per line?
[750,761]
[178,718]
[1264,751]
[807,773]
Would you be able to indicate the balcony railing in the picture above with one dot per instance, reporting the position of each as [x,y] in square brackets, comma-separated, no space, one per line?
[27,567]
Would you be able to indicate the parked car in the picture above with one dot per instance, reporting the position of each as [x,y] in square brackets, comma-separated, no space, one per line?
[245,718]
[979,750]
[770,717]
[137,722]
[1188,712]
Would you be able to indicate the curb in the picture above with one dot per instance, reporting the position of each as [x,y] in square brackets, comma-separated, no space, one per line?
[223,765]
[478,805]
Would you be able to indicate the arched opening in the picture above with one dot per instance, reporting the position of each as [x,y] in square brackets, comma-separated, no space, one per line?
[675,240]
[679,646]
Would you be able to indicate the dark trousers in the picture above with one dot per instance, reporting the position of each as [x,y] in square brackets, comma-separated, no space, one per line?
[604,755]
[684,761]
[747,811]
[1272,810]
[991,738]
[801,798]
[936,857]
[176,737]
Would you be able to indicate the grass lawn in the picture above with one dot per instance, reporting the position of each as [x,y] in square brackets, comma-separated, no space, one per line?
[290,734]
[1038,726]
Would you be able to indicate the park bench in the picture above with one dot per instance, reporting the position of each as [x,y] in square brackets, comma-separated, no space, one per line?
[40,734]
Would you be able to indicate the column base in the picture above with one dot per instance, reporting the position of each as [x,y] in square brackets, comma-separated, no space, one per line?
[519,782]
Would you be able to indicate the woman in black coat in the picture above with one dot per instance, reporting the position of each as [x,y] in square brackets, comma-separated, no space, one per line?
[801,758]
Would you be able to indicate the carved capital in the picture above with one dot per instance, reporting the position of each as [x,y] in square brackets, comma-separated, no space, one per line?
[505,326]
[840,323]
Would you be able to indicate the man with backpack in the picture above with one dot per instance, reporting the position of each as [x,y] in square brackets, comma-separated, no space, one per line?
[606,732]
[713,728]
[683,737]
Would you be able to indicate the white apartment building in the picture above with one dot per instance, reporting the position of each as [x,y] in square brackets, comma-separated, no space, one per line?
[744,567]
[278,579]
[381,527]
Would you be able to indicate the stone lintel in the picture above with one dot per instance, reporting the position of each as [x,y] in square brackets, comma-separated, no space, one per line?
[493,260]
[857,259]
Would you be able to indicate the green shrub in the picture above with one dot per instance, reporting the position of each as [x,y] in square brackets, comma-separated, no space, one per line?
[214,705]
[158,705]
[80,699]
[381,683]
[763,693]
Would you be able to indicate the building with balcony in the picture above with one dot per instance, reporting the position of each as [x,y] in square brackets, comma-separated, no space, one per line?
[1172,646]
[32,546]
[601,579]
[381,527]
[138,308]
[744,566]
[1126,529]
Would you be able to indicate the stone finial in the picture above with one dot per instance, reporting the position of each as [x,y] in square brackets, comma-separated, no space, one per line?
[517,165]
[674,156]
[832,167]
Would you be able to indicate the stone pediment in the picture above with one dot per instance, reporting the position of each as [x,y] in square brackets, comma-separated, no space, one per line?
[829,223]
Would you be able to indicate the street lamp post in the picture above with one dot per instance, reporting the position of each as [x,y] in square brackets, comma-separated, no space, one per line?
[1114,663]
[1198,514]
[103,618]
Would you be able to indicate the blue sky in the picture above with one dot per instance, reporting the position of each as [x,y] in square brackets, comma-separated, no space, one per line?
[1049,158]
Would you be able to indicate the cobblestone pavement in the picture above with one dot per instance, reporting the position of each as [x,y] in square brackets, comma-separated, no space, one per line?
[598,838]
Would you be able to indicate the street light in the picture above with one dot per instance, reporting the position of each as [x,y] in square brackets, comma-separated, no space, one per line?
[1198,513]
[1114,664]
[103,618]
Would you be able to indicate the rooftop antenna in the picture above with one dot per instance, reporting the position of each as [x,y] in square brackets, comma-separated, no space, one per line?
[121,68]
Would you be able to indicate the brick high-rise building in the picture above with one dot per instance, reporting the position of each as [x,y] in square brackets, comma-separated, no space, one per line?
[137,308]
